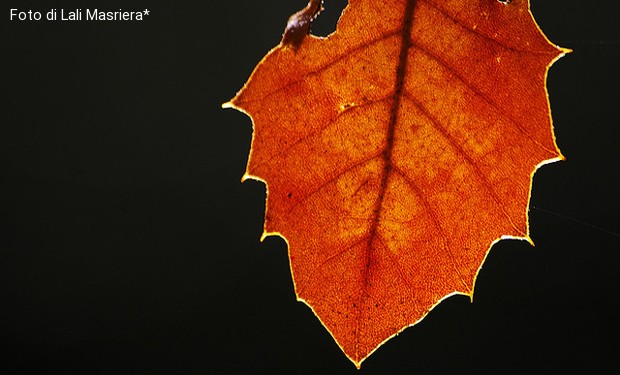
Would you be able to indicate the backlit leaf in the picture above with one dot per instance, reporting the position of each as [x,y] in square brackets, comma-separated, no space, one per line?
[396,151]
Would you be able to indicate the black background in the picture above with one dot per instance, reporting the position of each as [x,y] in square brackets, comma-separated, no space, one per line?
[129,245]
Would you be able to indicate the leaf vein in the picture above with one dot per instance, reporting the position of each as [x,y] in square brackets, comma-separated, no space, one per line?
[319,131]
[465,27]
[347,54]
[482,96]
[461,151]
[434,219]
[333,179]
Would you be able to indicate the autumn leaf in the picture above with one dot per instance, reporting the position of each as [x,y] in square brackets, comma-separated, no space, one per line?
[396,151]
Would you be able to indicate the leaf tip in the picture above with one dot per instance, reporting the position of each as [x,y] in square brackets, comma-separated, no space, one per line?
[561,157]
[529,240]
[228,104]
[267,233]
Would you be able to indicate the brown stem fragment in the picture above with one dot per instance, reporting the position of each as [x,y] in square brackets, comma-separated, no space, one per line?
[298,25]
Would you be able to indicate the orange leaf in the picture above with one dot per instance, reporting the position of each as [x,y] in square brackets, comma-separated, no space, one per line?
[396,151]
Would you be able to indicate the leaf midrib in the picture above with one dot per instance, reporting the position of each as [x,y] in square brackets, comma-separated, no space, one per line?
[399,80]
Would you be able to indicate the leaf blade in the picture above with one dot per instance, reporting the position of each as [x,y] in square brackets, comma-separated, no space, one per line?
[345,128]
